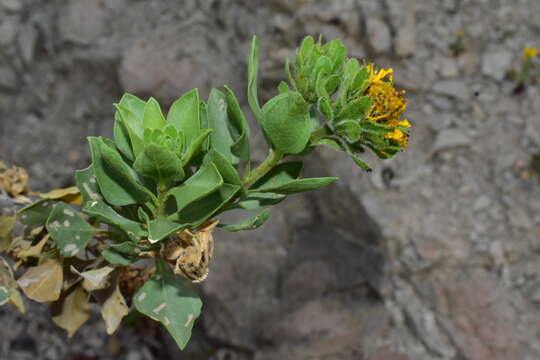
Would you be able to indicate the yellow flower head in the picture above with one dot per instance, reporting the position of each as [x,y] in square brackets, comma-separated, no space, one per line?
[378,76]
[388,104]
[529,53]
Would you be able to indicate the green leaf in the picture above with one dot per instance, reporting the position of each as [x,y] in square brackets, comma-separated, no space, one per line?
[87,184]
[286,122]
[301,185]
[100,210]
[251,223]
[350,129]
[253,73]
[152,116]
[4,295]
[351,69]
[121,137]
[378,128]
[36,214]
[195,146]
[325,108]
[168,299]
[218,119]
[159,164]
[283,87]
[68,229]
[281,174]
[201,210]
[256,200]
[184,114]
[225,168]
[206,180]
[123,254]
[356,110]
[131,110]
[115,178]
[161,228]
[238,126]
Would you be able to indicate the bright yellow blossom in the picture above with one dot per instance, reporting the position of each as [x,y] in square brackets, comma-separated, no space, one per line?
[529,53]
[388,104]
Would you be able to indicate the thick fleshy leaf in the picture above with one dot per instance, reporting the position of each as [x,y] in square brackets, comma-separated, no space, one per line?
[100,210]
[357,109]
[195,146]
[302,185]
[225,168]
[160,228]
[130,111]
[281,174]
[206,180]
[168,299]
[121,137]
[256,201]
[239,127]
[201,210]
[123,254]
[349,129]
[251,223]
[72,311]
[159,164]
[115,178]
[253,73]
[69,230]
[184,115]
[286,122]
[36,214]
[218,120]
[43,283]
[87,184]
[152,116]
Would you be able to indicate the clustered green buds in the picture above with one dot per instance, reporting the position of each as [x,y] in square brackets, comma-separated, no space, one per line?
[155,190]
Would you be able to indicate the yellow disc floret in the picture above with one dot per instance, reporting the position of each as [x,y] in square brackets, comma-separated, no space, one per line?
[388,104]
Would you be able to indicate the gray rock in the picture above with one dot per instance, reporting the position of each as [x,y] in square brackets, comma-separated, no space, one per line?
[497,63]
[8,78]
[27,42]
[405,42]
[12,5]
[453,88]
[379,35]
[8,30]
[448,139]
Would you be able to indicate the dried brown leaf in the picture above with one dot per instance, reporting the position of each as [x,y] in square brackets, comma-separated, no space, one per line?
[113,308]
[94,279]
[6,227]
[43,283]
[72,311]
[70,195]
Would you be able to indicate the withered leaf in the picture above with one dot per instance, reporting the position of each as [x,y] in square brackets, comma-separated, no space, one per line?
[113,307]
[94,279]
[8,287]
[70,195]
[72,311]
[34,251]
[43,283]
[6,227]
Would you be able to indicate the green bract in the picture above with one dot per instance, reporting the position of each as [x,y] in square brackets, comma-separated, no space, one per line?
[157,188]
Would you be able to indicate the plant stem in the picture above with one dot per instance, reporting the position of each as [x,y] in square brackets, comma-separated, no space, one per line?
[273,158]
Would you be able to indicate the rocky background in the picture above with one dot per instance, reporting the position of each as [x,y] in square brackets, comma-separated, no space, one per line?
[434,255]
